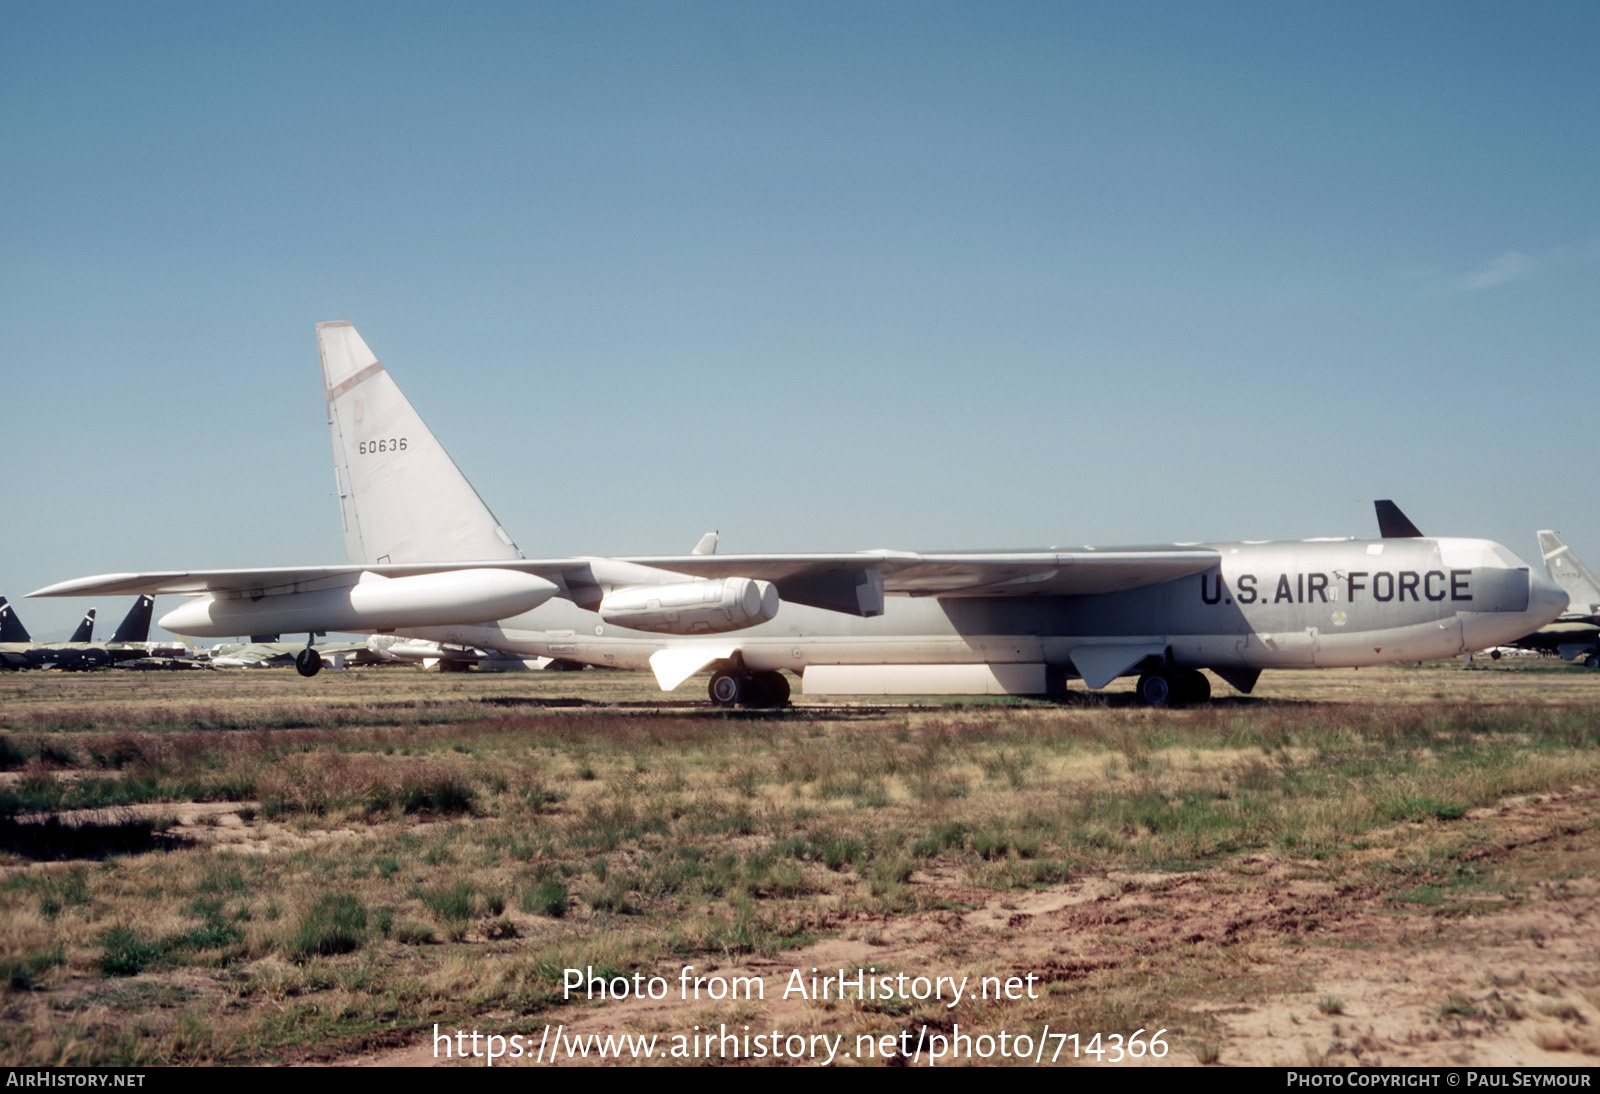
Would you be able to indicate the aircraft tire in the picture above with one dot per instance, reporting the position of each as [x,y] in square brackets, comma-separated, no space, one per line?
[1193,687]
[308,662]
[1157,689]
[757,690]
[726,688]
[1592,661]
[777,689]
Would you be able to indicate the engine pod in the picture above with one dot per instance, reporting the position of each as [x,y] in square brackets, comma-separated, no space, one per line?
[373,603]
[702,606]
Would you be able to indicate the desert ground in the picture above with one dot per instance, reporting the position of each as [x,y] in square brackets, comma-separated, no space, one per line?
[1349,867]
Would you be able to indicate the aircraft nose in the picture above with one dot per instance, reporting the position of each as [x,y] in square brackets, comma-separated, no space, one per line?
[1546,599]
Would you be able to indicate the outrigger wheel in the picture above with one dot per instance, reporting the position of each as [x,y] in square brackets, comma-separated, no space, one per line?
[308,662]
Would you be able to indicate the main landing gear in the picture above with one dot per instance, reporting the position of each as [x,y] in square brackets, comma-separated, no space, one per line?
[735,688]
[1173,687]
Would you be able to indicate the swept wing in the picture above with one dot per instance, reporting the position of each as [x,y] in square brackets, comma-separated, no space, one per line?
[853,583]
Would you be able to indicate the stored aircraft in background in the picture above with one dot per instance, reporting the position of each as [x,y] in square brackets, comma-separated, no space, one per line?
[80,652]
[18,650]
[448,658]
[428,560]
[264,651]
[85,632]
[1575,635]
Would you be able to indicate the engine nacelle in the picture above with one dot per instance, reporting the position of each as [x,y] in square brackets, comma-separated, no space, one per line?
[374,603]
[702,606]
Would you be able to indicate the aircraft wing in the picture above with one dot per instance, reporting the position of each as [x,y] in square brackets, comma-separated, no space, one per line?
[1032,573]
[271,580]
[854,583]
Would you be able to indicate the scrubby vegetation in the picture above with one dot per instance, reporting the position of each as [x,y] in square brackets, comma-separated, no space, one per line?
[399,859]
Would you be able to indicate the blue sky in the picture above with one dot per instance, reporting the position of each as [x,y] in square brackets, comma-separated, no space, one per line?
[822,276]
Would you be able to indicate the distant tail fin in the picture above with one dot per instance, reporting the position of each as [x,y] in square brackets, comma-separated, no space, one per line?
[11,628]
[85,631]
[135,626]
[1583,592]
[1393,524]
[401,495]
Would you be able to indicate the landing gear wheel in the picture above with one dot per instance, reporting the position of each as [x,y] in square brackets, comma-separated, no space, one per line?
[757,690]
[1192,686]
[727,688]
[1592,661]
[1156,689]
[777,689]
[308,662]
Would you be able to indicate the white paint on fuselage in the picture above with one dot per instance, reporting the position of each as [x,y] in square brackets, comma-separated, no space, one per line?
[1266,605]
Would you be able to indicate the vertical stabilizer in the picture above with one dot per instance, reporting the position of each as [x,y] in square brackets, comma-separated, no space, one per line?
[135,626]
[401,495]
[1393,524]
[1583,592]
[11,628]
[85,631]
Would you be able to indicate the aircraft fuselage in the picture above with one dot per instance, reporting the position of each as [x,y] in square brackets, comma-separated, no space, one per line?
[1264,605]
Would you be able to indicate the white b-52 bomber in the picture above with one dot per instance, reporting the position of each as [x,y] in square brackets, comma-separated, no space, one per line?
[427,560]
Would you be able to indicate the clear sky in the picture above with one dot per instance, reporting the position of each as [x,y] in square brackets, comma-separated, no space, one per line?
[823,276]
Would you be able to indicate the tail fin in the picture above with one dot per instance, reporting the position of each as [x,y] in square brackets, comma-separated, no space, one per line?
[85,631]
[1393,524]
[401,495]
[11,628]
[135,626]
[1583,592]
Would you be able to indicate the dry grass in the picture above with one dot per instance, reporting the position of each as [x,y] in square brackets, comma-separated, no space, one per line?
[395,849]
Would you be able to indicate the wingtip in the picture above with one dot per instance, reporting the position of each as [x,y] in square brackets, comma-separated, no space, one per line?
[79,586]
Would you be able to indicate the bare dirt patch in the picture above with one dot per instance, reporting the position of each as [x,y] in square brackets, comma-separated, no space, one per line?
[1319,970]
[1373,868]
